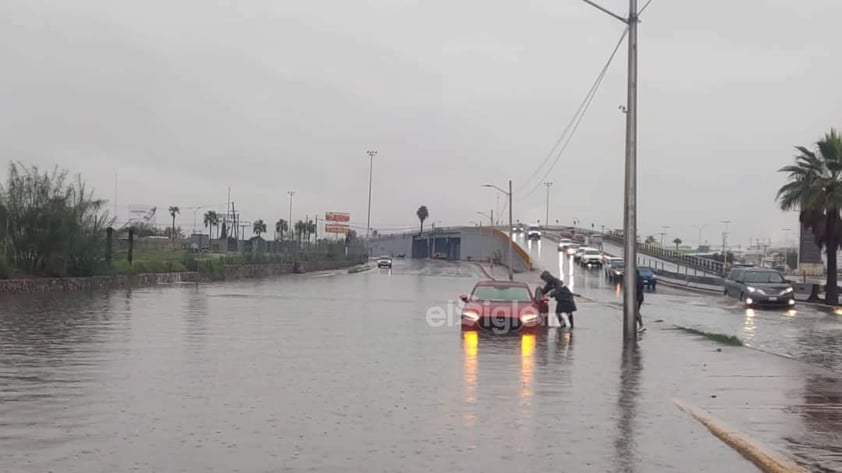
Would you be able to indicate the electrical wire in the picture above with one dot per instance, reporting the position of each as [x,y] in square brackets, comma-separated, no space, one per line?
[577,118]
[644,8]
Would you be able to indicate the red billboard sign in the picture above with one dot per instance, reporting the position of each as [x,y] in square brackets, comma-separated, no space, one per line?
[337,217]
[336,228]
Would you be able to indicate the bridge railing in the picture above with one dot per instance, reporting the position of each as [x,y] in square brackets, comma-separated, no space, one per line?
[672,256]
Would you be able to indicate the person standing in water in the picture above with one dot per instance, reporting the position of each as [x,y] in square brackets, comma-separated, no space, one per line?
[565,305]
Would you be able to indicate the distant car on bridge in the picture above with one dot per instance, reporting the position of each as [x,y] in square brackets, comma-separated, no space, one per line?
[533,233]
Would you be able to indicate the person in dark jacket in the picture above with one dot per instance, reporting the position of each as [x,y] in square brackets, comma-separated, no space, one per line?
[640,286]
[565,305]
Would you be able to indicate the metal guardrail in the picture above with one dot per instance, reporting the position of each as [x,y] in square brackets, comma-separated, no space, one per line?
[690,261]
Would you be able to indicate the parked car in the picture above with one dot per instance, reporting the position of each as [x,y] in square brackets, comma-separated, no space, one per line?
[384,262]
[650,281]
[591,257]
[759,286]
[503,307]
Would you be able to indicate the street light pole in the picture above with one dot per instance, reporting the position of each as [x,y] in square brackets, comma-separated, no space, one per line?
[547,220]
[291,193]
[725,245]
[371,154]
[511,230]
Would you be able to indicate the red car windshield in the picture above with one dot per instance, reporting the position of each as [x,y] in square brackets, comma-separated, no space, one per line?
[501,294]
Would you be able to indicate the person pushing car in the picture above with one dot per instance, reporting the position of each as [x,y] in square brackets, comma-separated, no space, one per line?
[565,305]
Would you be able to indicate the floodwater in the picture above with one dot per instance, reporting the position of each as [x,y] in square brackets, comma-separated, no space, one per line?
[322,372]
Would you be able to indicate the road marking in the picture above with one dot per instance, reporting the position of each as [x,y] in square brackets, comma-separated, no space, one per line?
[763,457]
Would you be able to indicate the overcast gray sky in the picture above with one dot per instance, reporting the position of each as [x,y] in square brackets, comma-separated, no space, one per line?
[183,98]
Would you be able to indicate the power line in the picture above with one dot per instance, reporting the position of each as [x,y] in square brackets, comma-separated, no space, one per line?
[644,8]
[577,118]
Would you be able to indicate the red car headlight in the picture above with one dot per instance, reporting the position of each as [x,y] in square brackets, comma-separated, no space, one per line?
[528,317]
[471,315]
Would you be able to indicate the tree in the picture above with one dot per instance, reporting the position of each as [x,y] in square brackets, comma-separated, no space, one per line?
[174,210]
[677,242]
[50,226]
[300,228]
[211,220]
[422,214]
[259,227]
[814,188]
[311,229]
[650,240]
[281,226]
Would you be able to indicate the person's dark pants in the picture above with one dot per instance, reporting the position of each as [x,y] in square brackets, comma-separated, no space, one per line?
[637,315]
[558,313]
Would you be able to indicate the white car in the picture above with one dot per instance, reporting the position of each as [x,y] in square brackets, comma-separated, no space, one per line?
[384,262]
[564,243]
[591,257]
[572,249]
[533,233]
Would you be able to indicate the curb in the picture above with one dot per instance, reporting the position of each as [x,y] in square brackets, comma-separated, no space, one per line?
[484,271]
[764,458]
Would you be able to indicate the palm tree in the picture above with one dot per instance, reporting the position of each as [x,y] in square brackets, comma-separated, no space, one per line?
[259,227]
[174,210]
[311,229]
[677,242]
[211,218]
[300,227]
[281,226]
[650,240]
[814,188]
[422,214]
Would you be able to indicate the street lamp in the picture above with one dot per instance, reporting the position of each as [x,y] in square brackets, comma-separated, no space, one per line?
[663,233]
[371,154]
[291,193]
[630,205]
[547,219]
[511,232]
[489,215]
[725,244]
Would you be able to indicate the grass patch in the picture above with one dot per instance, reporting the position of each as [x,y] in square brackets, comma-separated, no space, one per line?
[716,337]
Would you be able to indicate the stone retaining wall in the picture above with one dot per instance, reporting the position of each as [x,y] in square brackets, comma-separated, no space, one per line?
[45,285]
[246,271]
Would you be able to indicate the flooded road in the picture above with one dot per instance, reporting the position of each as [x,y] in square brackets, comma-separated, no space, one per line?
[322,372]
[804,333]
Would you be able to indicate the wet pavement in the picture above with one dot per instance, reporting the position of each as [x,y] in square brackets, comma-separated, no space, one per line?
[325,372]
[805,333]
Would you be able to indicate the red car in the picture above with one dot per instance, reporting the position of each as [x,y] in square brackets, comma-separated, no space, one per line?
[503,307]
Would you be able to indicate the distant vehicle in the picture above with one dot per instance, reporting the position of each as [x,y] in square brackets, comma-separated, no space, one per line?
[577,256]
[609,262]
[759,286]
[533,233]
[616,271]
[438,255]
[650,281]
[579,238]
[503,307]
[564,243]
[572,249]
[591,257]
[401,255]
[595,241]
[384,262]
[517,229]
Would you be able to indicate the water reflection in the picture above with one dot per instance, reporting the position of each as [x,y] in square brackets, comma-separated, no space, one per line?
[625,444]
[749,325]
[470,344]
[527,367]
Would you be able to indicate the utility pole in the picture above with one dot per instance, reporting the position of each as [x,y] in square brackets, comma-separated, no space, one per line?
[225,218]
[547,219]
[371,154]
[291,226]
[511,236]
[630,204]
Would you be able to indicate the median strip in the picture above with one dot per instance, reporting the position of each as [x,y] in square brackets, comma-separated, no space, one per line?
[763,457]
[716,337]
